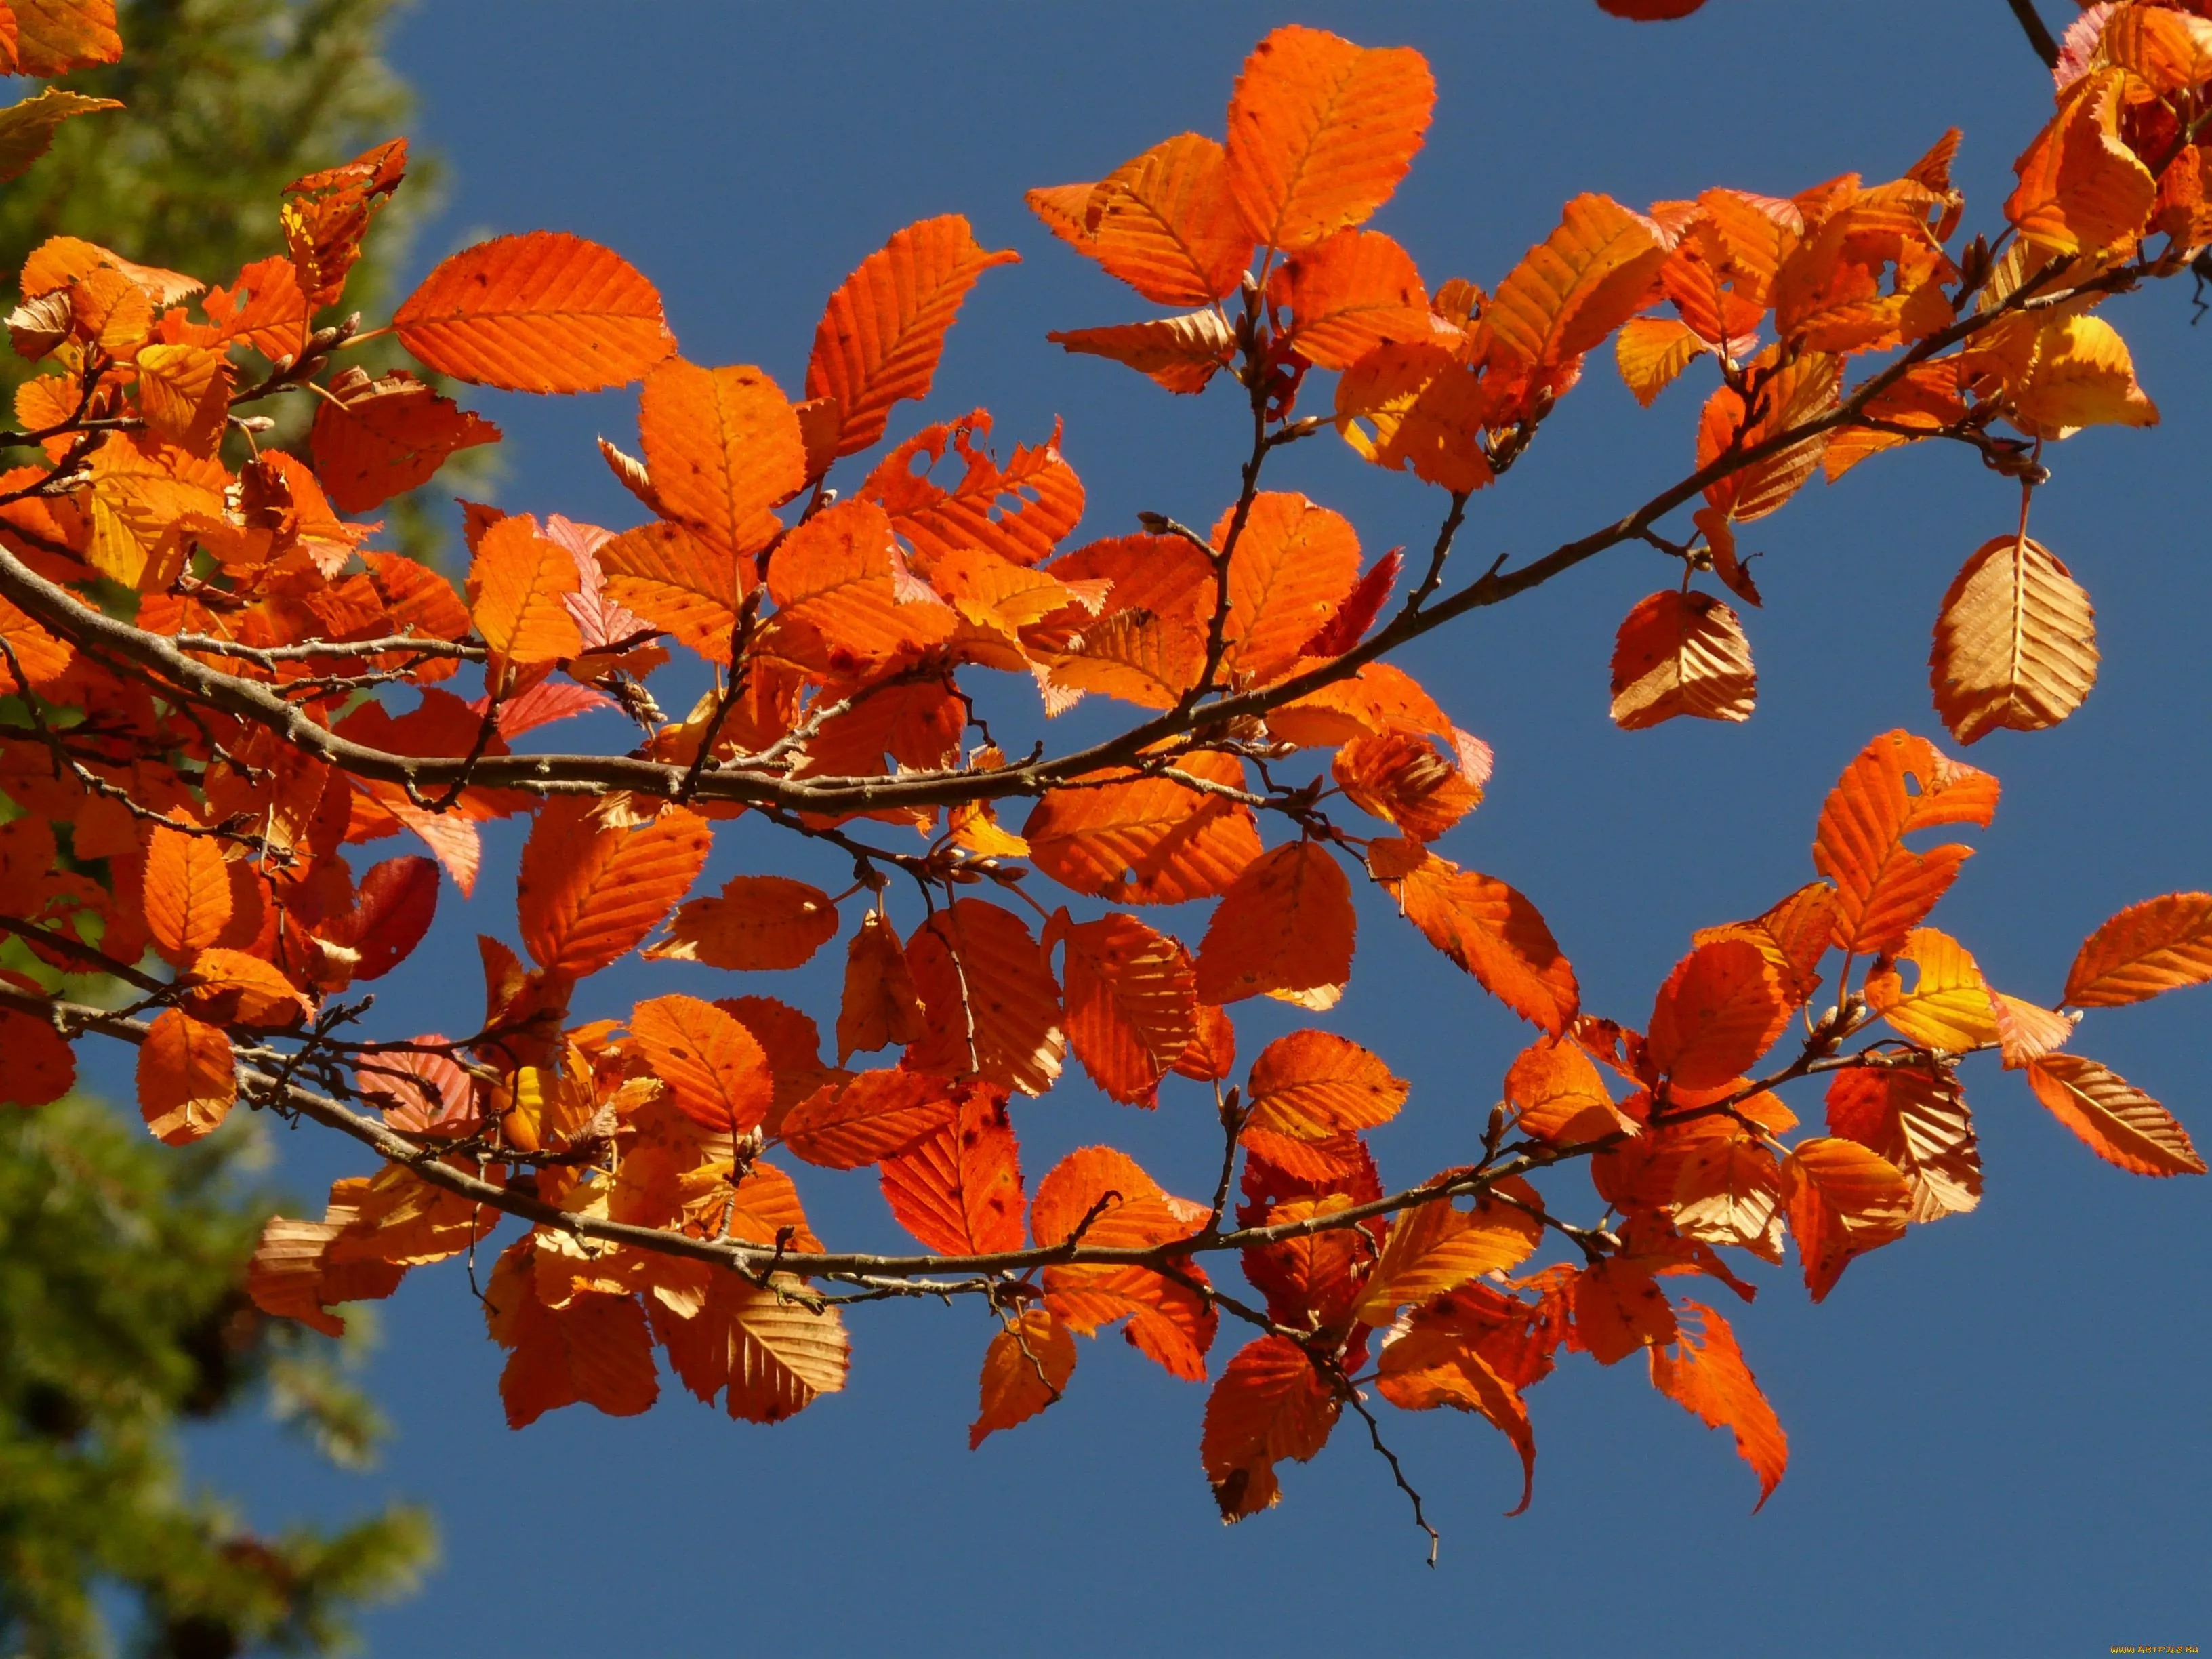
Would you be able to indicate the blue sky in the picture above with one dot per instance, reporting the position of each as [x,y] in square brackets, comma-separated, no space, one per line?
[1998,1426]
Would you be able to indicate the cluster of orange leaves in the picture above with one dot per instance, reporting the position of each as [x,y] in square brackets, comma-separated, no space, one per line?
[160,806]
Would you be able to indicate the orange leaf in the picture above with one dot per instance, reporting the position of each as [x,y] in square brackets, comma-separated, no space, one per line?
[875,1115]
[376,439]
[1704,1373]
[1650,351]
[774,1354]
[1719,1011]
[679,582]
[1271,1403]
[840,606]
[2114,1119]
[1131,1005]
[1312,1085]
[1557,1094]
[2082,188]
[1842,1200]
[516,584]
[1285,928]
[187,1081]
[1166,224]
[712,1065]
[234,987]
[1438,1247]
[881,338]
[1182,353]
[53,37]
[1898,784]
[1918,1120]
[187,893]
[1682,654]
[1169,1322]
[2015,642]
[1728,1190]
[993,1007]
[589,891]
[1577,286]
[1618,1308]
[756,924]
[1025,1370]
[880,1005]
[1149,840]
[595,1350]
[1348,295]
[1426,409]
[1018,515]
[2154,946]
[184,392]
[1430,1363]
[1294,564]
[1798,392]
[1950,1005]
[1321,131]
[1485,927]
[1404,781]
[542,312]
[722,446]
[958,1189]
[1793,937]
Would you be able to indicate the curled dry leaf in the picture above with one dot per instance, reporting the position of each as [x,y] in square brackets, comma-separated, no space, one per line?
[1682,654]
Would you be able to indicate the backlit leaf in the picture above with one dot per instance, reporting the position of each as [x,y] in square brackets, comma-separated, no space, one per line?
[1916,1119]
[2154,946]
[1842,1200]
[875,1115]
[881,338]
[1182,353]
[958,1189]
[1025,1370]
[375,439]
[774,1355]
[1704,1373]
[542,312]
[1577,286]
[1293,565]
[1719,1011]
[1348,295]
[1271,1403]
[187,893]
[517,583]
[722,446]
[1148,839]
[755,924]
[1485,927]
[2114,1119]
[589,892]
[1898,784]
[1312,1085]
[1682,654]
[187,1081]
[1166,224]
[712,1065]
[1131,1005]
[1321,131]
[1438,1247]
[993,1006]
[1949,1006]
[1284,927]
[880,1005]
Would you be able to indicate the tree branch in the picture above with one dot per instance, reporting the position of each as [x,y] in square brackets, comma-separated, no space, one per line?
[2039,35]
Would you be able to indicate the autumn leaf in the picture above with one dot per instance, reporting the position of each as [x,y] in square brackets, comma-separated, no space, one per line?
[1293,565]
[881,338]
[597,1349]
[2081,375]
[1719,1011]
[1312,1084]
[1428,1362]
[1650,351]
[184,391]
[1577,285]
[1950,1005]
[1321,131]
[1404,781]
[187,893]
[1704,1373]
[1916,1118]
[958,1189]
[1131,1005]
[1284,927]
[755,924]
[875,1115]
[589,892]
[375,439]
[1485,927]
[1438,1247]
[991,1005]
[1557,1094]
[1182,352]
[53,37]
[1728,1190]
[723,447]
[1348,294]
[2157,945]
[1843,1199]
[1014,515]
[1025,1368]
[187,1081]
[712,1065]
[768,1353]
[678,582]
[1618,1308]
[2082,188]
[1147,839]
[1898,784]
[1681,653]
[2113,1118]
[542,312]
[1416,406]
[1166,224]
[880,1005]
[1271,1403]
[517,583]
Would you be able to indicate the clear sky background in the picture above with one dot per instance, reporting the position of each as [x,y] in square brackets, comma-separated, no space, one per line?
[1998,1426]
